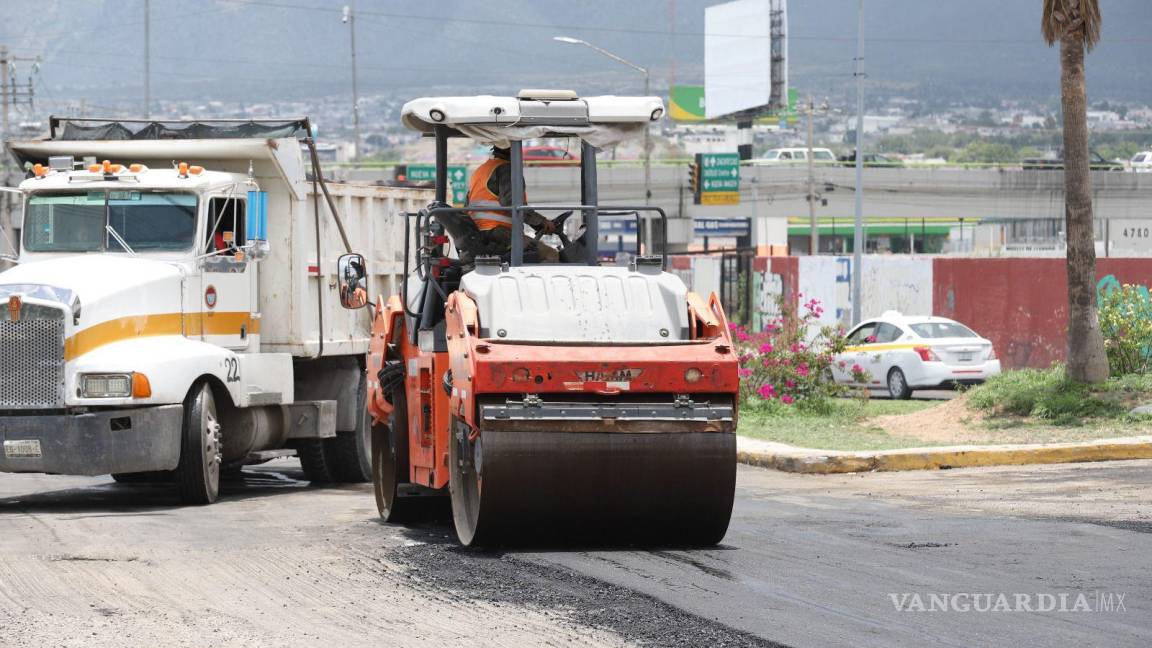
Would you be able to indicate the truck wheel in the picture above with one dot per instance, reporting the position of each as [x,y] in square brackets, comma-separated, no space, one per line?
[314,460]
[390,462]
[350,453]
[198,474]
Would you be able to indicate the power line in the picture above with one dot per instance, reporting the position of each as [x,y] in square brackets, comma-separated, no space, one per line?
[652,32]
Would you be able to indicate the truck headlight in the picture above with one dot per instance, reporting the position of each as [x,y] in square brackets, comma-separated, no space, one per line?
[106,385]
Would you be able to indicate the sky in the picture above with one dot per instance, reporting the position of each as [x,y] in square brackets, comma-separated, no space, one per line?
[252,51]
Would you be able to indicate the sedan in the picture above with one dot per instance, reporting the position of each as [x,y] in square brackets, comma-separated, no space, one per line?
[549,156]
[905,353]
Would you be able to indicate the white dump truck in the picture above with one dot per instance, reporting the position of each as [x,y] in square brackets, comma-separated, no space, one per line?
[175,307]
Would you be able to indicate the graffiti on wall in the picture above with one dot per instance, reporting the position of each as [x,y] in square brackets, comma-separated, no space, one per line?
[768,288]
[1110,284]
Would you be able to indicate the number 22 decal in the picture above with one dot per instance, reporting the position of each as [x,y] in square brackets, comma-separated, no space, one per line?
[232,366]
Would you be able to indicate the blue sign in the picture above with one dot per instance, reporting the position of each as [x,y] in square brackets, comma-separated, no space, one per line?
[721,227]
[617,227]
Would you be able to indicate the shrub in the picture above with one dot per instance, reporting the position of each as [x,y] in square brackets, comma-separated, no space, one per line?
[1126,322]
[789,363]
[1049,395]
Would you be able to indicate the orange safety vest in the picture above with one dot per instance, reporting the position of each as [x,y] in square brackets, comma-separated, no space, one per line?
[479,195]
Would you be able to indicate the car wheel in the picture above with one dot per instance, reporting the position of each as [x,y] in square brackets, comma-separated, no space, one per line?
[898,387]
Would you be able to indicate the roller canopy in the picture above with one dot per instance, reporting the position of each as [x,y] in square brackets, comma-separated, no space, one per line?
[600,121]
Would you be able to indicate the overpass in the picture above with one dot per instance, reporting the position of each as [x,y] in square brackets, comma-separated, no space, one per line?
[772,195]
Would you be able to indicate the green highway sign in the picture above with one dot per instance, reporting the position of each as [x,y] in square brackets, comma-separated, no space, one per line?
[719,178]
[457,176]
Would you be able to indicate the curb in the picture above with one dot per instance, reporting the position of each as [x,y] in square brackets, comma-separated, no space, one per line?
[788,458]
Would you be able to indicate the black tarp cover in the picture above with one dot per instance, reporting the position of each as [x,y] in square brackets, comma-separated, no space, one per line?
[67,129]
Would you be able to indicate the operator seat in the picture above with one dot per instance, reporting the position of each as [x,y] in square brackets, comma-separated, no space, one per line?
[469,243]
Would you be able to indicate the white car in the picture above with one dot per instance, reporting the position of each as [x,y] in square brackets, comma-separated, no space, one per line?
[786,156]
[1142,162]
[905,353]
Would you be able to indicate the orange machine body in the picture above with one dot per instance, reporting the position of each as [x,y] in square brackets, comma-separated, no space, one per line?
[702,366]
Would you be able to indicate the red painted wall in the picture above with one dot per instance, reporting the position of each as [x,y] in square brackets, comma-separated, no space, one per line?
[1019,304]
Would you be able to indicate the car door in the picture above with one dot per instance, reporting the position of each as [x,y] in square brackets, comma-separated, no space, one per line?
[229,277]
[885,353]
[858,341]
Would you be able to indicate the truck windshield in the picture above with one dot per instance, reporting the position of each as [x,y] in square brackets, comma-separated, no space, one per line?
[79,222]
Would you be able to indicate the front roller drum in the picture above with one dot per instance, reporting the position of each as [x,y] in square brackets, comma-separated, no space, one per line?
[657,488]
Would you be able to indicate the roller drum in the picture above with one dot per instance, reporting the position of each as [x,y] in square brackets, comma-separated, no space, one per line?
[662,488]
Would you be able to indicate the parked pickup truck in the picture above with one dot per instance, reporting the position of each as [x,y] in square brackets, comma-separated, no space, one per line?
[1055,162]
[175,310]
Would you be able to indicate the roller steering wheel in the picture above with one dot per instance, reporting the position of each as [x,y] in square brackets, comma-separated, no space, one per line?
[558,222]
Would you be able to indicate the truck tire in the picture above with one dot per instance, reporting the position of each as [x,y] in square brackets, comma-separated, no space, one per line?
[349,453]
[198,474]
[314,460]
[148,477]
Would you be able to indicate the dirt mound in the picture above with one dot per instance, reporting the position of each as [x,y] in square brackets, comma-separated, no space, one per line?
[950,422]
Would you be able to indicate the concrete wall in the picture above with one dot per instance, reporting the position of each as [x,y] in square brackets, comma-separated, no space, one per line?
[1020,303]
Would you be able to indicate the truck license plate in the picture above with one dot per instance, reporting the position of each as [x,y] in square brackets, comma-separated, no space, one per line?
[22,448]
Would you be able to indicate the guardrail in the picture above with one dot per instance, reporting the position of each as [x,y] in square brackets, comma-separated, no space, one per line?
[683,162]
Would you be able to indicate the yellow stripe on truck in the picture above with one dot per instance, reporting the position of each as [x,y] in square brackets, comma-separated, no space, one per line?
[138,326]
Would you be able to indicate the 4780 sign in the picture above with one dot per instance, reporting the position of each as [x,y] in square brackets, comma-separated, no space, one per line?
[1137,232]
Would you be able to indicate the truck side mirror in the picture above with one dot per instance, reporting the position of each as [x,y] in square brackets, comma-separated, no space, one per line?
[352,275]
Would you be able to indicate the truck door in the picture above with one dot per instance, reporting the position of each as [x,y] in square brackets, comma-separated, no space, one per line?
[229,277]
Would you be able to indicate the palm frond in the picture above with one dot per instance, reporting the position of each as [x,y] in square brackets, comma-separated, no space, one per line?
[1078,18]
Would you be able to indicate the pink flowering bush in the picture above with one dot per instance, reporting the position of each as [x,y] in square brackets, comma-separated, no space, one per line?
[789,363]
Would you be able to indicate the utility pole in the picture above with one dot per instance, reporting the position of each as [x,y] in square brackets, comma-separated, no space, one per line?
[858,241]
[11,94]
[350,19]
[814,232]
[147,61]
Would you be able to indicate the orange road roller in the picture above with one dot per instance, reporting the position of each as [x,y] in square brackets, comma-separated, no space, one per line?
[552,393]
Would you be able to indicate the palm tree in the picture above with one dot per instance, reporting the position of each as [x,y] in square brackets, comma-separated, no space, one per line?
[1076,25]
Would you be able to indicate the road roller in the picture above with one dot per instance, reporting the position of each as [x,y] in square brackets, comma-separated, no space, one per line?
[568,396]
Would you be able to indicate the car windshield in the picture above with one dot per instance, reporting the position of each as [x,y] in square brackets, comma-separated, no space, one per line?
[80,222]
[771,155]
[823,155]
[943,330]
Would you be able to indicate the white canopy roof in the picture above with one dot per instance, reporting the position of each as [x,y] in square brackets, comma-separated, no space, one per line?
[600,121]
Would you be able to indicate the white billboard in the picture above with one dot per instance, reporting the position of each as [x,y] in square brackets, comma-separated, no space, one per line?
[744,43]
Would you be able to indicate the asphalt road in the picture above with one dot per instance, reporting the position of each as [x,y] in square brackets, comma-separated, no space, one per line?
[808,561]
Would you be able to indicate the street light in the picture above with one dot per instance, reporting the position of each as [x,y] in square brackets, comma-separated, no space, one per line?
[349,18]
[647,91]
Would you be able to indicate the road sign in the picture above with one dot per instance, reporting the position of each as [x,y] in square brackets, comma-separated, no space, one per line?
[721,227]
[457,176]
[617,227]
[719,181]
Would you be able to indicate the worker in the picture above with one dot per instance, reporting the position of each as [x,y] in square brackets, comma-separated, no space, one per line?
[491,185]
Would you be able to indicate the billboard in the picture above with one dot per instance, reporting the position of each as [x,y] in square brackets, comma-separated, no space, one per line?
[745,56]
[686,103]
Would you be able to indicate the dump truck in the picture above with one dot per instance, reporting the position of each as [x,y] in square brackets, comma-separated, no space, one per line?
[577,398]
[175,312]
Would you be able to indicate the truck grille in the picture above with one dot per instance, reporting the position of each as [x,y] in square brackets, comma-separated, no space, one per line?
[32,364]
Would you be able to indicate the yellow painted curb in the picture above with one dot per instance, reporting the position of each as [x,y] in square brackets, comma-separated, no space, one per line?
[824,462]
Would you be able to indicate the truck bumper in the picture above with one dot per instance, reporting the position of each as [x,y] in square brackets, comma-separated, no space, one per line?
[96,443]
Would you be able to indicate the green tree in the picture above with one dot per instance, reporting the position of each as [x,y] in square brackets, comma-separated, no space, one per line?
[1075,24]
